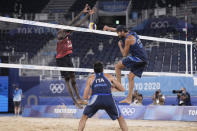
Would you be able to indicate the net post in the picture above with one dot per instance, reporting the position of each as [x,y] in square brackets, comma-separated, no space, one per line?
[191,58]
[186,61]
[186,49]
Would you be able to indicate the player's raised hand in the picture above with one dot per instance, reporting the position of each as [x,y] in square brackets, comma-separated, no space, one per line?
[86,9]
[106,28]
[92,11]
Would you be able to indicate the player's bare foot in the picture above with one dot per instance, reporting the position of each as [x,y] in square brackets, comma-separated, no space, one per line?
[82,102]
[78,105]
[126,101]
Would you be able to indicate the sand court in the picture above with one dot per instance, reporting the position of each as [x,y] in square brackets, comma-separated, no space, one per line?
[11,123]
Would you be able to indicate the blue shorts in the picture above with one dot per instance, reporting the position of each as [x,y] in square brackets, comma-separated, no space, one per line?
[135,65]
[103,102]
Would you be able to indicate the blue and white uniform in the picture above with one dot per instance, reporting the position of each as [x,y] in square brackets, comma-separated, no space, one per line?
[138,58]
[102,98]
[17,95]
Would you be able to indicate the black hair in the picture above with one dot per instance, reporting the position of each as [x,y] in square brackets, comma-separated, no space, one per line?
[98,67]
[121,28]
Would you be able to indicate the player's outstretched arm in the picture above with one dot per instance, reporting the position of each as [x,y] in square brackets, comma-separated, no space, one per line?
[90,12]
[85,10]
[107,28]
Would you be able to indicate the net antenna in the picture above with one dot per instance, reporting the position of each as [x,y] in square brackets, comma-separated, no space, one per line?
[56,26]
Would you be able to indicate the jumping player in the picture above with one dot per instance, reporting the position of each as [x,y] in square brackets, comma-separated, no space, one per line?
[63,57]
[136,61]
[99,86]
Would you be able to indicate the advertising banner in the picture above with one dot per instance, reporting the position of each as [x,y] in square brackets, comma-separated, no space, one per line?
[113,6]
[177,113]
[148,85]
[3,94]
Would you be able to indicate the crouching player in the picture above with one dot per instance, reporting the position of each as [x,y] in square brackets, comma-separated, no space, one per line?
[99,86]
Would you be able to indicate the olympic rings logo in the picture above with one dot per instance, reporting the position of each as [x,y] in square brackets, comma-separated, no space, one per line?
[128,111]
[159,24]
[57,88]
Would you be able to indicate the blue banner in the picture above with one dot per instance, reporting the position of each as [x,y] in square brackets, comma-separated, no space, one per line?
[163,23]
[189,113]
[3,94]
[49,92]
[179,113]
[163,113]
[54,88]
[55,92]
[133,112]
[148,85]
[52,111]
[113,6]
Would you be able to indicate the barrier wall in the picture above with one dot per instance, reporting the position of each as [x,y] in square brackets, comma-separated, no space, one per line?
[177,113]
[54,92]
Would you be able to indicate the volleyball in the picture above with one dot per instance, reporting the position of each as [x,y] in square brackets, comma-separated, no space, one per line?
[92,26]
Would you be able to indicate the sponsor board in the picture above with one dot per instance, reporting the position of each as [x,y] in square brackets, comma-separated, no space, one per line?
[179,113]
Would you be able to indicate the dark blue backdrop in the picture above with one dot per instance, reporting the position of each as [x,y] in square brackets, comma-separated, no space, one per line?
[3,94]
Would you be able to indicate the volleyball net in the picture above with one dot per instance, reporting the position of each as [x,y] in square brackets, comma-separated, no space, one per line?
[28,57]
[30,46]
